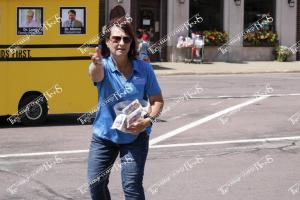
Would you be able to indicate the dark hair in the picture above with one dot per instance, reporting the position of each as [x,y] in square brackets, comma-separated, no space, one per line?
[127,28]
[72,11]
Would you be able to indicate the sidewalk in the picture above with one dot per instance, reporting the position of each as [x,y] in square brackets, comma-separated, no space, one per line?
[173,68]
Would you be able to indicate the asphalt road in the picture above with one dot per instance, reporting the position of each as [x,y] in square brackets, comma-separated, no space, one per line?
[220,137]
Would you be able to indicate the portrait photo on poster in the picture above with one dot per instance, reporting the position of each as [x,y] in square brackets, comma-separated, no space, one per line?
[29,21]
[73,20]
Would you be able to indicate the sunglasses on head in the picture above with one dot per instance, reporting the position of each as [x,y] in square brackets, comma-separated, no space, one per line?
[117,39]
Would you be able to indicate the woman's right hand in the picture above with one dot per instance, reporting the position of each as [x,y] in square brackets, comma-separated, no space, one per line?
[96,71]
[96,57]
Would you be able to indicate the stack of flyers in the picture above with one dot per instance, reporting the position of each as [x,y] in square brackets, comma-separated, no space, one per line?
[130,114]
[133,112]
[135,105]
[119,122]
[134,116]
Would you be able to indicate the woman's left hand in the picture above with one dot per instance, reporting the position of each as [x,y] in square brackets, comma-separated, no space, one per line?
[138,126]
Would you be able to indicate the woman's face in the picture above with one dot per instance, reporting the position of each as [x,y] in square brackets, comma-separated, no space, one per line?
[119,42]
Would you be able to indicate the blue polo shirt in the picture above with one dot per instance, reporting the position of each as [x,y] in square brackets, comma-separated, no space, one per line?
[114,88]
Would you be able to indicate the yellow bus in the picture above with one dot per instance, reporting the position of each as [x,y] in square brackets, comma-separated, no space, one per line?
[44,47]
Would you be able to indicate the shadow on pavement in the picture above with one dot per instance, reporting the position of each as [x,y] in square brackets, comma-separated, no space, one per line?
[157,67]
[52,120]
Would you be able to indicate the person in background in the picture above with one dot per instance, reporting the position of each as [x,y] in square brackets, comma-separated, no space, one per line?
[139,35]
[117,12]
[143,48]
[151,34]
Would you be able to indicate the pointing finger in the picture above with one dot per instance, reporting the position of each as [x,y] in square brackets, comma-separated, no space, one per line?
[98,50]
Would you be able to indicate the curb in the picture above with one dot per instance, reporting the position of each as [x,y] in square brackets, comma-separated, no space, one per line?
[160,73]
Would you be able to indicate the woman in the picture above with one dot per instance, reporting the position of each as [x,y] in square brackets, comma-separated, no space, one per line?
[119,74]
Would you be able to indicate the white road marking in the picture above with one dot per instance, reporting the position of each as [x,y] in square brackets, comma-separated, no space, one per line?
[234,97]
[42,153]
[292,138]
[204,120]
[242,96]
[227,142]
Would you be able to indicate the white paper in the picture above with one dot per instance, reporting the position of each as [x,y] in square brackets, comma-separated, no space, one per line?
[119,122]
[134,116]
[132,107]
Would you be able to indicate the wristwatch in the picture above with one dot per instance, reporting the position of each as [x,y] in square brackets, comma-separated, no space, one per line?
[152,119]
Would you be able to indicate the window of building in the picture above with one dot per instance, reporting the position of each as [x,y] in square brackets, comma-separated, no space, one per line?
[212,13]
[256,10]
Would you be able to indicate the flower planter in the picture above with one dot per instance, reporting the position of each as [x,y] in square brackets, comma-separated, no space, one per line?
[282,53]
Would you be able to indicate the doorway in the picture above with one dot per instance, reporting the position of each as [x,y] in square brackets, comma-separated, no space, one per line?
[151,16]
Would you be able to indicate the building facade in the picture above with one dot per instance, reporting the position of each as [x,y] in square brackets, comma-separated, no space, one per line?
[230,16]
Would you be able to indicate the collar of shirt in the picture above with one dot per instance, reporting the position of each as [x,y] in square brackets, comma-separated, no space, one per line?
[114,68]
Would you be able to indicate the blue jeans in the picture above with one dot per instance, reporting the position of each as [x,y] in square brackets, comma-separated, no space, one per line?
[102,156]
